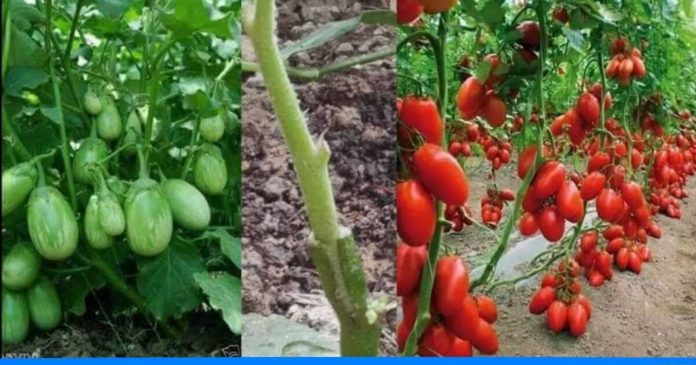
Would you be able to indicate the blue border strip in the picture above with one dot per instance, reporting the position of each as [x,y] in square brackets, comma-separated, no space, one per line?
[364,361]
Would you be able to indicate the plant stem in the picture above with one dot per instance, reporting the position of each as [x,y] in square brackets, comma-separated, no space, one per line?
[332,247]
[600,67]
[507,229]
[12,138]
[314,73]
[61,122]
[428,276]
[73,28]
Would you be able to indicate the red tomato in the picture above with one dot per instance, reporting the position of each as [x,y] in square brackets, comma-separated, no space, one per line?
[407,11]
[556,316]
[421,114]
[615,245]
[528,224]
[530,203]
[531,34]
[549,280]
[598,161]
[409,304]
[436,341]
[493,77]
[626,69]
[548,179]
[634,262]
[588,109]
[486,308]
[551,224]
[460,348]
[494,111]
[588,241]
[632,194]
[464,323]
[569,202]
[526,161]
[609,205]
[402,333]
[613,231]
[441,174]
[451,285]
[595,278]
[622,258]
[409,267]
[561,15]
[470,97]
[583,301]
[415,213]
[654,230]
[638,67]
[541,300]
[577,319]
[485,339]
[603,265]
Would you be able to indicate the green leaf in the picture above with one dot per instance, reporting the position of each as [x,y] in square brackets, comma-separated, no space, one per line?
[24,15]
[493,13]
[75,288]
[191,85]
[224,294]
[229,245]
[113,8]
[575,38]
[190,16]
[25,52]
[378,17]
[166,281]
[321,35]
[20,78]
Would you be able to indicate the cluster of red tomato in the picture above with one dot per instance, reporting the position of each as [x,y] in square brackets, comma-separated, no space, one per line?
[597,263]
[459,320]
[560,297]
[458,216]
[583,117]
[625,63]
[497,152]
[551,199]
[477,98]
[461,137]
[672,164]
[492,205]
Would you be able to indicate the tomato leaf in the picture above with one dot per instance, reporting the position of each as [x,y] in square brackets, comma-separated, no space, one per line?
[75,288]
[113,8]
[224,294]
[191,16]
[575,38]
[20,78]
[166,281]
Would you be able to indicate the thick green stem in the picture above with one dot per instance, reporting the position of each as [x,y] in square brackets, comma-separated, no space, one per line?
[332,248]
[65,150]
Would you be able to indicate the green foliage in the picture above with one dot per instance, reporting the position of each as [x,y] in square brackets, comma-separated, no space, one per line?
[165,66]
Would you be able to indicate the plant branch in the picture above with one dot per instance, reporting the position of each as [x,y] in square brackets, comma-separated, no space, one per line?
[332,247]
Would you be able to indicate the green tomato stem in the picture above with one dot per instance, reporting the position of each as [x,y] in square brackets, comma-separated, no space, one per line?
[332,247]
[67,163]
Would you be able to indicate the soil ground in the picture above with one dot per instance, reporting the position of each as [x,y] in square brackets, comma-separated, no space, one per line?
[355,112]
[651,314]
[124,336]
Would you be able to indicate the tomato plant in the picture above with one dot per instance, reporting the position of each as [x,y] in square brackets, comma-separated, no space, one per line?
[585,102]
[121,175]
